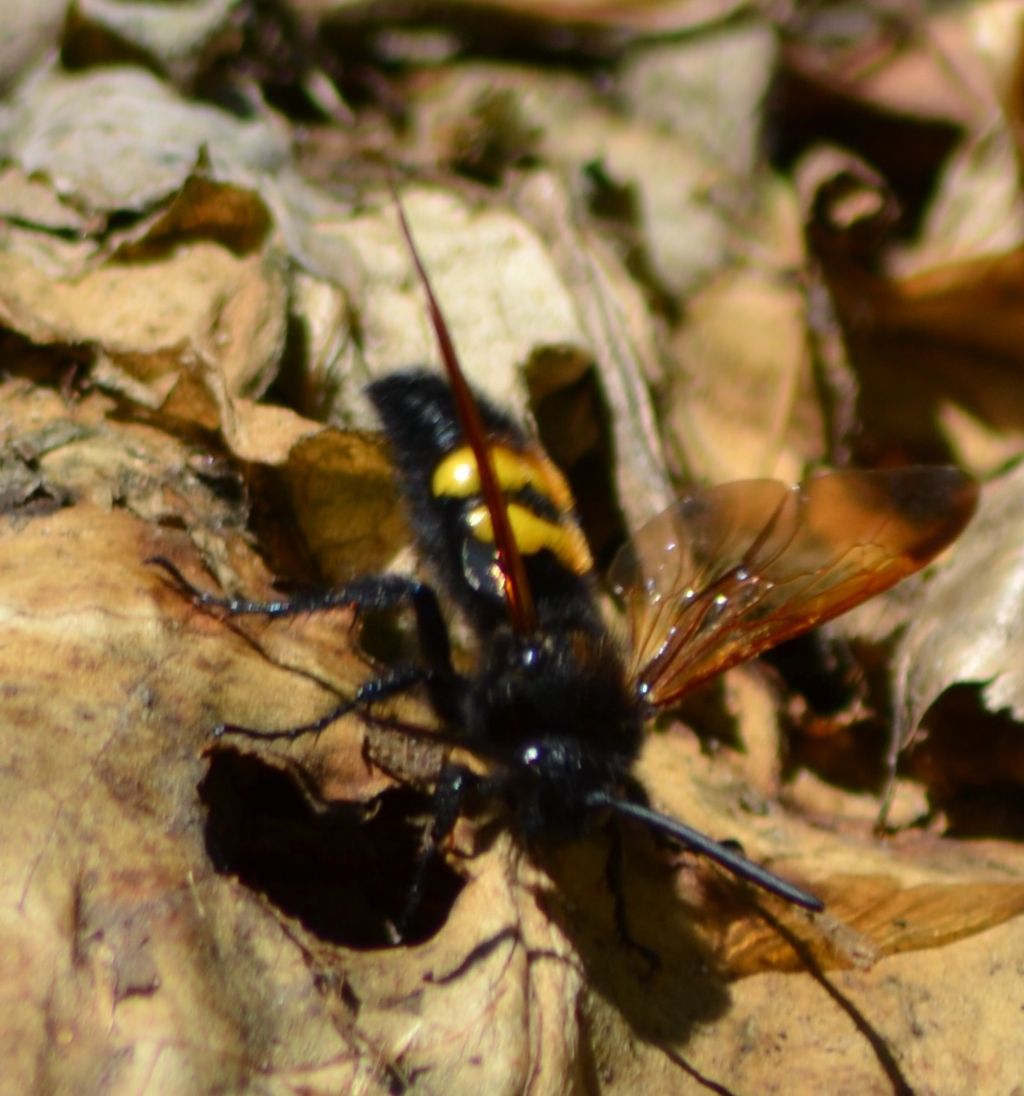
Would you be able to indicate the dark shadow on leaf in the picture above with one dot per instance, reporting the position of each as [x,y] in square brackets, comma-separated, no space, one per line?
[345,870]
[662,1005]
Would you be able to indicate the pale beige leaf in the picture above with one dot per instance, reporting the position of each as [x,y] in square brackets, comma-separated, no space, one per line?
[970,629]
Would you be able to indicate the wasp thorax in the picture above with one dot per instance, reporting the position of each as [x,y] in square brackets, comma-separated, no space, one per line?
[553,685]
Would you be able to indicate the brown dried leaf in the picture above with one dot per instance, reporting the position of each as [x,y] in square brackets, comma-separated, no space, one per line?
[112,918]
[343,490]
[977,209]
[868,919]
[949,336]
[743,405]
[927,70]
[158,929]
[904,1026]
[900,895]
[25,199]
[200,310]
[706,91]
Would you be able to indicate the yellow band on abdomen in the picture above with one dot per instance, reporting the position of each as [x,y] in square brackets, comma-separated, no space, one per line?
[457,476]
[533,534]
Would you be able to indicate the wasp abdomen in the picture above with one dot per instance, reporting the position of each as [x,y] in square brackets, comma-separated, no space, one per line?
[452,522]
[539,502]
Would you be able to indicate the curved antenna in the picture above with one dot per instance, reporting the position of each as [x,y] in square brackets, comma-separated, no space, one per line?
[729,859]
[518,596]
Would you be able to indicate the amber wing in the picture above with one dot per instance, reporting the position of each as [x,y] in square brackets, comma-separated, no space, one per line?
[727,572]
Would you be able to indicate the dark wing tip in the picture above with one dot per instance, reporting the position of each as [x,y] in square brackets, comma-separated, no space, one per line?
[937,502]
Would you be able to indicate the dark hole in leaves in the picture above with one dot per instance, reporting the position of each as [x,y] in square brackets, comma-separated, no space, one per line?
[848,756]
[345,870]
[991,812]
[971,761]
[823,671]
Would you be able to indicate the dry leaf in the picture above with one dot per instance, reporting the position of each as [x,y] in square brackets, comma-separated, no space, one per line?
[179,39]
[118,139]
[968,631]
[742,406]
[502,296]
[181,913]
[30,33]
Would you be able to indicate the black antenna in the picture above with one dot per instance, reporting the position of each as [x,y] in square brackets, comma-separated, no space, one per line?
[729,859]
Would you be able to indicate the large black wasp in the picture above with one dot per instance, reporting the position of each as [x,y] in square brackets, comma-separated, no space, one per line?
[554,710]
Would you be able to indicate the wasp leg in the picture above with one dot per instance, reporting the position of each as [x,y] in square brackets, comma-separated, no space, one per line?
[370,593]
[398,680]
[454,786]
[614,873]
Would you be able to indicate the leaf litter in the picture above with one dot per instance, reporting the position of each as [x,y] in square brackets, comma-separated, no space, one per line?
[165,304]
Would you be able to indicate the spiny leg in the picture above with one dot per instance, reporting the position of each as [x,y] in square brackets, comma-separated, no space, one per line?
[454,785]
[369,593]
[398,680]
